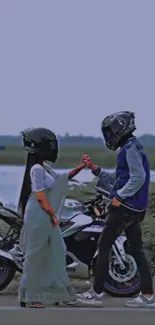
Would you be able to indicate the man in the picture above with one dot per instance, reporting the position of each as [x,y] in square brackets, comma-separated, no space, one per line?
[130,190]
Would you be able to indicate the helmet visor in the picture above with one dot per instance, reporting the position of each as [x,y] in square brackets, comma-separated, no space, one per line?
[53,145]
[111,134]
[111,130]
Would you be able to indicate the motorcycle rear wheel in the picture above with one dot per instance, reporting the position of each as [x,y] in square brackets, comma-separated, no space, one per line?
[7,273]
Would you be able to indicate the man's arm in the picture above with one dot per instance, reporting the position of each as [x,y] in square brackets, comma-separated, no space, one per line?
[105,177]
[136,171]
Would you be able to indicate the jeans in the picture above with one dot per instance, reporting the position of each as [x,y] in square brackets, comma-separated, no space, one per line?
[122,219]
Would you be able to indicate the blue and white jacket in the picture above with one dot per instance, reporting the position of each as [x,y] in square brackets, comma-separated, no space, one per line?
[130,182]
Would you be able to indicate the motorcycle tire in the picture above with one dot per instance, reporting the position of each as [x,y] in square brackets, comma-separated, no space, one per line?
[7,273]
[122,289]
[114,289]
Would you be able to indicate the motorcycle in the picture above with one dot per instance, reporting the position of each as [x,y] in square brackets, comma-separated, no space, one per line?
[81,225]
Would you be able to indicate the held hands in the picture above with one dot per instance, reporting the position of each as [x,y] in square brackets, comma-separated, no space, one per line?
[88,162]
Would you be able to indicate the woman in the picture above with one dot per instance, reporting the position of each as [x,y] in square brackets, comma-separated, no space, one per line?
[44,278]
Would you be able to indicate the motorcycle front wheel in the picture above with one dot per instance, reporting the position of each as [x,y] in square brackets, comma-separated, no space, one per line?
[122,283]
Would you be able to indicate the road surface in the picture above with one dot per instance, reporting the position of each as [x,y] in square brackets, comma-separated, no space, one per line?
[112,312]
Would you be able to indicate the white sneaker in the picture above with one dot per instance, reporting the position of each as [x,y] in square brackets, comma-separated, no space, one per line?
[141,302]
[90,295]
[80,303]
[89,303]
[70,303]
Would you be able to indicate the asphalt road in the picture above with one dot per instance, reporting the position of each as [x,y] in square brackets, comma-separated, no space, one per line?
[112,312]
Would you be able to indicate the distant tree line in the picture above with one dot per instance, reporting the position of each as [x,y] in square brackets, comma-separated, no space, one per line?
[148,140]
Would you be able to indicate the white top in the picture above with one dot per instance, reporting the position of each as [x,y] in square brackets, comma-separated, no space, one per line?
[40,179]
[46,178]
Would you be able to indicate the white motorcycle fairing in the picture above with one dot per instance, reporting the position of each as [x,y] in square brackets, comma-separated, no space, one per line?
[7,255]
[77,269]
[75,224]
[119,242]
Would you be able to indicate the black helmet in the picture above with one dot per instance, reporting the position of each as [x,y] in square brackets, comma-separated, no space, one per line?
[116,126]
[42,142]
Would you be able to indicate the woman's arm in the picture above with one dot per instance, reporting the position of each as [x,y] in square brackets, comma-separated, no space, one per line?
[44,203]
[72,173]
[76,170]
[37,178]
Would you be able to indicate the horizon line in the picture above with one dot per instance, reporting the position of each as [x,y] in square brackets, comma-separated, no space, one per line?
[74,135]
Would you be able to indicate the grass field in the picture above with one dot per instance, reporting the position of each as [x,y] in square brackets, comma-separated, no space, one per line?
[71,156]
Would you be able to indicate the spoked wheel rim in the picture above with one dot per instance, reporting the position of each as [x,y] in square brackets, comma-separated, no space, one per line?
[126,275]
[127,284]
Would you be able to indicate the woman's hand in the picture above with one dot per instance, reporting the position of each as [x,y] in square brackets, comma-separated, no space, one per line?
[55,220]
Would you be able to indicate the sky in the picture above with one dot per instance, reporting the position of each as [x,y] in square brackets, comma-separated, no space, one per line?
[66,64]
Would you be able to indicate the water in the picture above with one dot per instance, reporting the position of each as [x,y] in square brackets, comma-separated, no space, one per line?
[11,178]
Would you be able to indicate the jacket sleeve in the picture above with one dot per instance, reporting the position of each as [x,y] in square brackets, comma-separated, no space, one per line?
[105,177]
[136,172]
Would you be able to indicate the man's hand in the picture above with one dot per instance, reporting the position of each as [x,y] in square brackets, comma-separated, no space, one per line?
[115,202]
[87,160]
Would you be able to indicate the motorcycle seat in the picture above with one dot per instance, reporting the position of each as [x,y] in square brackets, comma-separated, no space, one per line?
[11,212]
